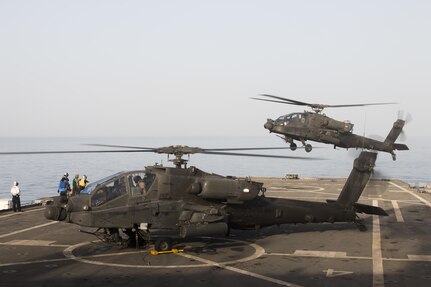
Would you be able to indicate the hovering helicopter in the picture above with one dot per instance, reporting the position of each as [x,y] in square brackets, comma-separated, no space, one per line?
[164,204]
[316,126]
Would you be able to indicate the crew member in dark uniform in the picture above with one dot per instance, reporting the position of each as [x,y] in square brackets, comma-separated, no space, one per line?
[64,187]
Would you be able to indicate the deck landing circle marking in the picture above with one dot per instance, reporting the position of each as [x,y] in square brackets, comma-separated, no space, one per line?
[68,253]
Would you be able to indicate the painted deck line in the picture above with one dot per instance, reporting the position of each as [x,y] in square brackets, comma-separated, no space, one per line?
[412,193]
[28,229]
[397,211]
[19,213]
[419,257]
[240,271]
[410,258]
[378,271]
[23,242]
[316,253]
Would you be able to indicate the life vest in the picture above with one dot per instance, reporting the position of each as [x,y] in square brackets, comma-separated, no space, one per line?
[62,186]
[82,182]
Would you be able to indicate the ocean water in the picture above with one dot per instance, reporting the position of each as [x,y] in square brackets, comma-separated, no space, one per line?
[38,175]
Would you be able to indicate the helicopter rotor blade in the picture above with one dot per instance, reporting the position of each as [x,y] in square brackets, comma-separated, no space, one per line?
[286,100]
[315,106]
[358,105]
[245,148]
[190,150]
[177,150]
[407,118]
[69,152]
[259,155]
[273,101]
[121,146]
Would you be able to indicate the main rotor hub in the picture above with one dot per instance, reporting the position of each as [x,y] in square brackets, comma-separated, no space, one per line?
[179,151]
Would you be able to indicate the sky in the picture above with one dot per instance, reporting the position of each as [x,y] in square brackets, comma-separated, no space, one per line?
[189,68]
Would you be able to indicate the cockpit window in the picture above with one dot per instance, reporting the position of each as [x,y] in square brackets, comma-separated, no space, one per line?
[287,118]
[137,183]
[90,187]
[108,191]
[282,118]
[149,179]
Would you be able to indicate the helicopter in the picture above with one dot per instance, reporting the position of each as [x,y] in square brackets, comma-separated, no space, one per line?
[318,127]
[162,205]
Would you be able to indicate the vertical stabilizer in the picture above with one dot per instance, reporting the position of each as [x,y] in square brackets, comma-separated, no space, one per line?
[395,132]
[358,179]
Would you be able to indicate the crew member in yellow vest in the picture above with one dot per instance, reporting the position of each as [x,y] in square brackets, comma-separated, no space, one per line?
[83,182]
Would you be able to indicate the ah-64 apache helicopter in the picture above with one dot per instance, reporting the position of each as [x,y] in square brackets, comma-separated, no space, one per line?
[163,204]
[316,126]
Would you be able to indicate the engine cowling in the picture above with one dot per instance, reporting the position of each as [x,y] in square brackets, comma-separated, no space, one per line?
[230,190]
[343,127]
[219,228]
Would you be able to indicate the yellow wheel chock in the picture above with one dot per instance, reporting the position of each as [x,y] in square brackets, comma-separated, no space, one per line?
[155,252]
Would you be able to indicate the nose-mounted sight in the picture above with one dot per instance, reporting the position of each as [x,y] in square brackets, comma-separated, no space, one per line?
[269,125]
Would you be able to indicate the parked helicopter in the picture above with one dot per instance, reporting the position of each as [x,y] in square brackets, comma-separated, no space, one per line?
[318,127]
[161,204]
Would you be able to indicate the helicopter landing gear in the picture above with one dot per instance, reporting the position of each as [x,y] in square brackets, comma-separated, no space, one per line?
[163,244]
[308,147]
[293,146]
[137,237]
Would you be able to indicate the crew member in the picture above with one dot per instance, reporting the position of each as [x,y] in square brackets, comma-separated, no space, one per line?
[141,186]
[83,182]
[75,185]
[64,187]
[16,201]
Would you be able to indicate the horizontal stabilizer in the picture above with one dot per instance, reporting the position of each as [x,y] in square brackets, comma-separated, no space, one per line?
[369,209]
[401,146]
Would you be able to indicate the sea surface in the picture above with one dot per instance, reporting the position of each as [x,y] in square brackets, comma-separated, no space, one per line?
[39,175]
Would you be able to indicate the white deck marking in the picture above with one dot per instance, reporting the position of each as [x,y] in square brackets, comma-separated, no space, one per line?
[28,229]
[340,255]
[412,193]
[68,252]
[34,262]
[322,254]
[378,277]
[237,270]
[34,243]
[397,211]
[316,253]
[335,273]
[19,213]
[419,257]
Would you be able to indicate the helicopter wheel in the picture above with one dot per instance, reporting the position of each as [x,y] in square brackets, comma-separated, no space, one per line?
[308,147]
[163,244]
[293,146]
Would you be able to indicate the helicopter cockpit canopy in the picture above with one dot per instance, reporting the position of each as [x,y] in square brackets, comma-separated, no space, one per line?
[91,186]
[289,117]
[135,183]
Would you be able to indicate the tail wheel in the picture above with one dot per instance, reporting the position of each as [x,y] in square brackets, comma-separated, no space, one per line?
[163,244]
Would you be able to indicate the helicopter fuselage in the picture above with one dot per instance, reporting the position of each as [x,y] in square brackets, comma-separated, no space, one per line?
[320,128]
[188,202]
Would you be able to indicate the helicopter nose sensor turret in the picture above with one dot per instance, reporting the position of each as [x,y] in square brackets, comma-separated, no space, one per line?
[269,125]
